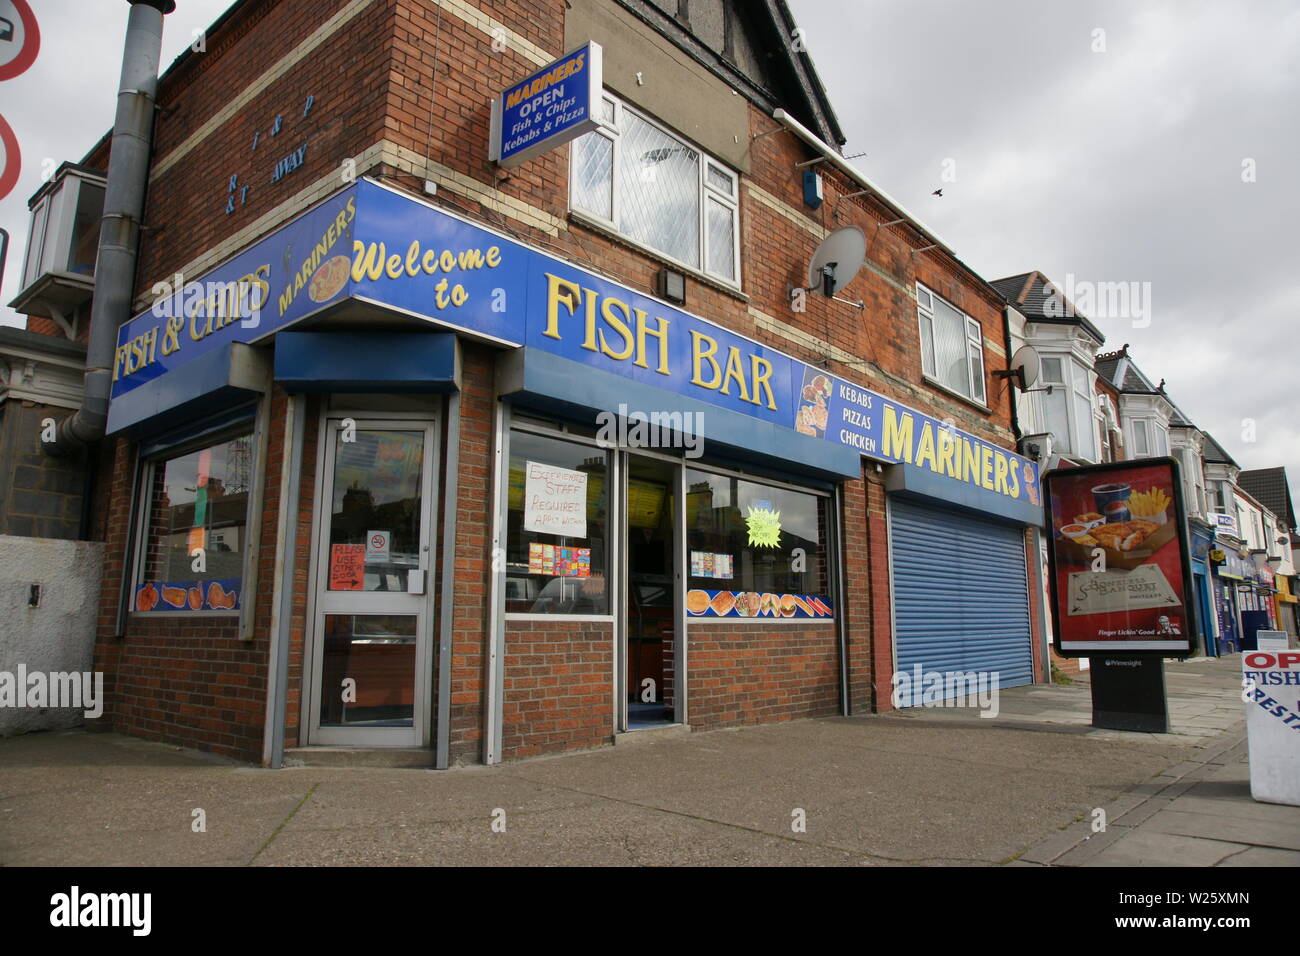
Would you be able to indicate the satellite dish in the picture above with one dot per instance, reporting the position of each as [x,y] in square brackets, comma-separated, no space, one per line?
[1027,364]
[837,260]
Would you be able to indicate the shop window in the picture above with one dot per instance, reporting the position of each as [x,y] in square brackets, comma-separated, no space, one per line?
[64,234]
[658,191]
[952,350]
[556,527]
[195,519]
[750,538]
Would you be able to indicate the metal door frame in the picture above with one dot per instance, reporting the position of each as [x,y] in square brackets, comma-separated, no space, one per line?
[622,471]
[321,601]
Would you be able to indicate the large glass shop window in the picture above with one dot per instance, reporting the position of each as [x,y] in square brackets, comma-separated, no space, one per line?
[755,550]
[194,541]
[557,509]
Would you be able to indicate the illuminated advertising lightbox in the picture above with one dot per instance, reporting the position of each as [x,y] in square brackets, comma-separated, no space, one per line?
[1119,555]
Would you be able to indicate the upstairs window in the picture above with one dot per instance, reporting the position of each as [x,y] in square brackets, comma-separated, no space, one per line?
[1215,496]
[64,235]
[1070,416]
[658,191]
[1150,438]
[1141,438]
[952,348]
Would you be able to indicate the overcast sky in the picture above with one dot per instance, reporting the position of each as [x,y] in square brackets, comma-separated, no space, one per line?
[1112,156]
[1115,166]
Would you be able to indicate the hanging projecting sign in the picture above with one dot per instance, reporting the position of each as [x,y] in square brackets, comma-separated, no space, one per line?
[1120,560]
[558,103]
[1226,523]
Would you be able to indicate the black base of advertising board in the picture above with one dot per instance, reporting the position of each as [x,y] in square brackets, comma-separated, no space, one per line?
[1128,693]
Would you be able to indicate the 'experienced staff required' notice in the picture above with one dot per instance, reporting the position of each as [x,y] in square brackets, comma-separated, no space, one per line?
[555,500]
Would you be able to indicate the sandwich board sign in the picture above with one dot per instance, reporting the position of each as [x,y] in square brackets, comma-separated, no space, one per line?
[1271,691]
[559,102]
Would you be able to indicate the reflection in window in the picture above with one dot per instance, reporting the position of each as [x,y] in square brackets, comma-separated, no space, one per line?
[193,556]
[952,348]
[743,536]
[658,191]
[560,486]
[375,516]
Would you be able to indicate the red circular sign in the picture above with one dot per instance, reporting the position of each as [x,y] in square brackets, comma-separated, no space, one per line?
[12,163]
[31,40]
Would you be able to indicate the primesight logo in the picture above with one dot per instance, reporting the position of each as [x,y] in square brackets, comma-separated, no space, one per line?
[75,909]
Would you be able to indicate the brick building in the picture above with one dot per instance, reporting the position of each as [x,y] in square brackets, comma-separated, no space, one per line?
[467,461]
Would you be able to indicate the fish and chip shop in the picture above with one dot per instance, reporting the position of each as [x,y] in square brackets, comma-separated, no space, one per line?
[471,501]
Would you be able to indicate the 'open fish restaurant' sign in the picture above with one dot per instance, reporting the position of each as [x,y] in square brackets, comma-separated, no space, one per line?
[376,245]
[558,103]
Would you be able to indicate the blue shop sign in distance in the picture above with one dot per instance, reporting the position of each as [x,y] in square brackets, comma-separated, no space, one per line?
[558,103]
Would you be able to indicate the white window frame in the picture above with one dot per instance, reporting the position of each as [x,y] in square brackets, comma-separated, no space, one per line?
[1162,438]
[1082,388]
[49,246]
[974,347]
[611,129]
[1076,382]
[1142,447]
[144,515]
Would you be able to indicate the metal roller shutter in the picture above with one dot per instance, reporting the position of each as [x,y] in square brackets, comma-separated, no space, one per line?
[960,599]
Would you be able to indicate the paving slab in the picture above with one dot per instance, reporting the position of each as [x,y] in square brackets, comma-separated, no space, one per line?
[1276,834]
[1143,848]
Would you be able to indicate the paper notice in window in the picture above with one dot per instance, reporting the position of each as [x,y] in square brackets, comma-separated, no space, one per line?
[1104,592]
[347,567]
[555,500]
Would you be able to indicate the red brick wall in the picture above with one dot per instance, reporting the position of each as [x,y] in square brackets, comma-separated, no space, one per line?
[348,78]
[473,556]
[558,686]
[855,604]
[755,673]
[881,603]
[300,533]
[182,680]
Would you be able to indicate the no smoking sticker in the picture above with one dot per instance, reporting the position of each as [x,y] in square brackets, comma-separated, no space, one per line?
[377,551]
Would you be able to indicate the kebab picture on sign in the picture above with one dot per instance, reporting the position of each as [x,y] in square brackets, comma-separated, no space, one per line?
[1119,558]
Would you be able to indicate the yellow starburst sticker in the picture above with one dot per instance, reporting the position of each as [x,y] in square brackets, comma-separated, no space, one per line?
[764,526]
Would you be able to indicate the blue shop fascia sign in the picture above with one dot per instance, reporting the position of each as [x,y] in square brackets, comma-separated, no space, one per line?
[371,244]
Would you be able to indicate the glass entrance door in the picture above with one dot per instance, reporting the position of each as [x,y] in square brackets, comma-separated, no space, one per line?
[372,662]
[651,545]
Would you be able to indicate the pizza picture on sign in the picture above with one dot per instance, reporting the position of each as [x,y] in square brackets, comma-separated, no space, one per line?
[329,280]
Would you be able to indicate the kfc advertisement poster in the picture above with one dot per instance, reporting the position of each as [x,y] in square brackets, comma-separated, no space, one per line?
[1119,559]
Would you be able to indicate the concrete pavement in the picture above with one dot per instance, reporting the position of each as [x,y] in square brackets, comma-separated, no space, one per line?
[927,787]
